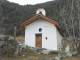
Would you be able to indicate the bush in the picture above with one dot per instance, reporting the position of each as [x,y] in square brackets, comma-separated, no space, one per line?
[8,48]
[25,51]
[53,52]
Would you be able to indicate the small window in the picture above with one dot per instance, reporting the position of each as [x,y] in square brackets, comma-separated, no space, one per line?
[40,29]
[46,38]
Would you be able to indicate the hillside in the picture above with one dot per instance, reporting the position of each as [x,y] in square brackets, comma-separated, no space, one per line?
[12,14]
[67,12]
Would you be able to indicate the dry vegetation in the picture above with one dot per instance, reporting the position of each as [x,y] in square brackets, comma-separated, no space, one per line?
[39,57]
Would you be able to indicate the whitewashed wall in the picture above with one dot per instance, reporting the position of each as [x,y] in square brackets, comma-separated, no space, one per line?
[59,39]
[48,30]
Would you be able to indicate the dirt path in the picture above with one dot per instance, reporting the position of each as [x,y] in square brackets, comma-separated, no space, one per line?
[73,58]
[43,57]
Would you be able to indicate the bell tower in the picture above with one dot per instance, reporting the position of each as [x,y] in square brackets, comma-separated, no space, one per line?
[41,11]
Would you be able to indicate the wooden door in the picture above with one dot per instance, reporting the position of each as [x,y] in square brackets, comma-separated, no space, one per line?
[38,40]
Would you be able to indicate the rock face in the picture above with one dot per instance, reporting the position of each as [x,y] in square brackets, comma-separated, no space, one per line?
[67,51]
[46,52]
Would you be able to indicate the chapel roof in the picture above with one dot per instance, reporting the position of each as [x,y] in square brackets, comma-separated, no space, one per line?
[37,17]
